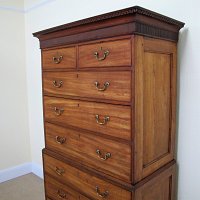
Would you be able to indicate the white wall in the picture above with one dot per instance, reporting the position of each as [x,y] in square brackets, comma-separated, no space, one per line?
[14,132]
[14,5]
[41,16]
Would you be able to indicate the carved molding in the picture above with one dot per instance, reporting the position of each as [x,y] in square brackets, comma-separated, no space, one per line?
[144,29]
[128,11]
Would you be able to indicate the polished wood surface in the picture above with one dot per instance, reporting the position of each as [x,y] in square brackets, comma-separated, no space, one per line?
[109,96]
[56,190]
[161,187]
[82,84]
[133,21]
[83,182]
[155,87]
[82,114]
[119,54]
[81,197]
[82,148]
[68,59]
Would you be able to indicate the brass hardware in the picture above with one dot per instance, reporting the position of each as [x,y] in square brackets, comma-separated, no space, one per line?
[57,59]
[60,172]
[105,157]
[61,194]
[97,84]
[105,54]
[58,111]
[102,195]
[56,84]
[60,140]
[105,120]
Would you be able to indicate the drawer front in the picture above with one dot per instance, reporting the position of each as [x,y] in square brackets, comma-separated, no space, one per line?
[83,198]
[85,183]
[105,155]
[57,191]
[105,54]
[63,58]
[103,85]
[103,118]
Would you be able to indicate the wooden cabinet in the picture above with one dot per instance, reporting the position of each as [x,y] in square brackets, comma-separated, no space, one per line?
[109,96]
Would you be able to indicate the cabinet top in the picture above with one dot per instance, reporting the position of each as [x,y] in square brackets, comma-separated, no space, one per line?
[143,21]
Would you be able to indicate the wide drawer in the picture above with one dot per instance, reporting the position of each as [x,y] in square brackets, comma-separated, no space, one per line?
[107,156]
[103,118]
[62,58]
[105,54]
[83,182]
[102,85]
[57,190]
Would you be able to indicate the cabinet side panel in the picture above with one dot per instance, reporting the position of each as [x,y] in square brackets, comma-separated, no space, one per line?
[160,187]
[156,107]
[155,104]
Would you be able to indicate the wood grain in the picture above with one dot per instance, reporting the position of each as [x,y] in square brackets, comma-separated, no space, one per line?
[139,105]
[82,148]
[82,182]
[119,54]
[156,106]
[155,101]
[68,58]
[82,84]
[160,187]
[82,114]
[54,189]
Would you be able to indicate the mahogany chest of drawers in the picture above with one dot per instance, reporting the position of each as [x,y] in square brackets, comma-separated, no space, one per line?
[109,98]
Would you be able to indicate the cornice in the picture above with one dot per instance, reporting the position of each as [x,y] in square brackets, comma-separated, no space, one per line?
[128,11]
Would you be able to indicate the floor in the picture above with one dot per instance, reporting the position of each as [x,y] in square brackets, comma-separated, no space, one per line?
[27,187]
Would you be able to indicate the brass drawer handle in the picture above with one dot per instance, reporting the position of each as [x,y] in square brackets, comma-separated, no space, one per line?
[105,157]
[61,194]
[105,120]
[57,60]
[97,84]
[102,195]
[57,84]
[58,111]
[105,54]
[60,172]
[60,140]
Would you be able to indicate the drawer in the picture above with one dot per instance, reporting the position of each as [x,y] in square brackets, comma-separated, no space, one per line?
[105,54]
[103,118]
[63,58]
[57,191]
[102,85]
[81,197]
[107,156]
[83,182]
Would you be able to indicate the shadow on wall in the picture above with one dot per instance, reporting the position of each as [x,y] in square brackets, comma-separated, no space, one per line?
[182,43]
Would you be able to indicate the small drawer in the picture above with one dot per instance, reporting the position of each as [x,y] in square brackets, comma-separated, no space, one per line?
[101,85]
[85,183]
[63,58]
[114,120]
[107,156]
[57,191]
[105,54]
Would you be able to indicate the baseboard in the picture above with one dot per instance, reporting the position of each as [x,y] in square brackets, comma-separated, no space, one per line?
[20,170]
[37,170]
